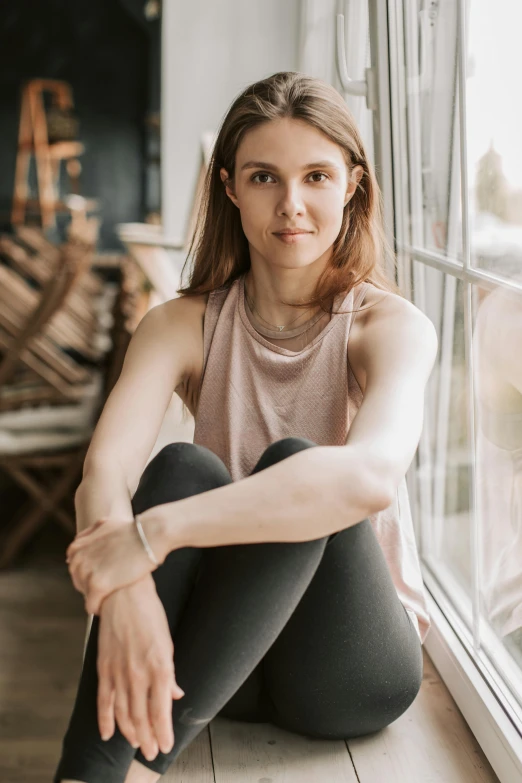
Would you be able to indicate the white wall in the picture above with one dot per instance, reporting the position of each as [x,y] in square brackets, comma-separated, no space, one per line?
[212,49]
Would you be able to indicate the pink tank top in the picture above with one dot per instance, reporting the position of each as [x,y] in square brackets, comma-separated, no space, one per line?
[253,393]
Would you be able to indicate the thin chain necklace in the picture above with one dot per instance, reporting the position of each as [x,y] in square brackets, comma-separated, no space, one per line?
[278,329]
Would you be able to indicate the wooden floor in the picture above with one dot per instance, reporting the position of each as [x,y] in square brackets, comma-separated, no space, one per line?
[42,628]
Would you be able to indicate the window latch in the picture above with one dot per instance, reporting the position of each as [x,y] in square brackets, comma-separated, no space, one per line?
[366,87]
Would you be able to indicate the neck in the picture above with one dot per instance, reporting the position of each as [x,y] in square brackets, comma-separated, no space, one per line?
[266,293]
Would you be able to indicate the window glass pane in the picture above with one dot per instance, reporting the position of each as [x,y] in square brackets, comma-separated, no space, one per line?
[430,34]
[497,346]
[494,130]
[468,490]
[358,58]
[445,519]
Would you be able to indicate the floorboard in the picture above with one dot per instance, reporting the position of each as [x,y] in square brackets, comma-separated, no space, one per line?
[262,753]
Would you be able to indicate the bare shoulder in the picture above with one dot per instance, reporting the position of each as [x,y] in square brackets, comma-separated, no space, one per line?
[383,306]
[389,325]
[185,309]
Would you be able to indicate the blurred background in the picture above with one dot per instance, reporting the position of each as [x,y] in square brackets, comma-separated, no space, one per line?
[108,113]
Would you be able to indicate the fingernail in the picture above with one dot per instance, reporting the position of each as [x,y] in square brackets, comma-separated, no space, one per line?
[105,736]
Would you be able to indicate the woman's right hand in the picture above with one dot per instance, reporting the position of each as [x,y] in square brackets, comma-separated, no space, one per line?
[136,681]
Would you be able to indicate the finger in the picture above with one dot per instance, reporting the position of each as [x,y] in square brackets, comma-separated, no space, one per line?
[87,530]
[139,712]
[73,571]
[73,558]
[160,710]
[78,541]
[93,598]
[82,577]
[122,710]
[92,604]
[105,705]
[177,690]
[74,546]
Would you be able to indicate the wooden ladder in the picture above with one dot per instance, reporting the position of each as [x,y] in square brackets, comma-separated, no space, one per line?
[33,140]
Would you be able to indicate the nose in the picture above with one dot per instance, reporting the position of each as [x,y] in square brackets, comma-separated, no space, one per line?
[291,201]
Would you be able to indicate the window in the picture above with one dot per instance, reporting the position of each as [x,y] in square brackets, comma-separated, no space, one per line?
[457,121]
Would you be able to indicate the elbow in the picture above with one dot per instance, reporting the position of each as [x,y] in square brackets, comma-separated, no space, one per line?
[382,485]
[376,483]
[360,483]
[383,497]
[378,492]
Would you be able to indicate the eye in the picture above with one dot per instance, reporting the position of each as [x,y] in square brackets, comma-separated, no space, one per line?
[261,174]
[320,174]
[264,174]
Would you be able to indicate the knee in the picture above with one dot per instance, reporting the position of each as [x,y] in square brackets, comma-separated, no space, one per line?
[283,448]
[386,704]
[363,708]
[396,699]
[177,471]
[192,456]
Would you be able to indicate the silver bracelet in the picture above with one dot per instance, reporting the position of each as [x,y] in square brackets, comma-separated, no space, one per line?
[144,541]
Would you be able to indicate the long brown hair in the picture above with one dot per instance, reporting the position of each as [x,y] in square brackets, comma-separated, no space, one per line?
[219,246]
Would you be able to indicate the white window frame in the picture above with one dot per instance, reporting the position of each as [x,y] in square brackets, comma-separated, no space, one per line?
[479,693]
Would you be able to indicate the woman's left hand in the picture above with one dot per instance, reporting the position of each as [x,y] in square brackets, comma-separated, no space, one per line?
[106,556]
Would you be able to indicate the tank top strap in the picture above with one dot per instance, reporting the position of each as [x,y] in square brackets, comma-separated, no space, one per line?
[359,296]
[215,301]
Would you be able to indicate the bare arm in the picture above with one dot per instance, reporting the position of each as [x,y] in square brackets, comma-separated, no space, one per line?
[309,495]
[157,358]
[134,635]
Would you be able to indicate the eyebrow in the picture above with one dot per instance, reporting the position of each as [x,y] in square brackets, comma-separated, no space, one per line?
[259,164]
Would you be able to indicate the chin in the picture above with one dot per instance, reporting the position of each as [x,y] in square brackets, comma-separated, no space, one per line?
[294,263]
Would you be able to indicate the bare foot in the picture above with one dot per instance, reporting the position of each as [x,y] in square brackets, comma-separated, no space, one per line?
[138,773]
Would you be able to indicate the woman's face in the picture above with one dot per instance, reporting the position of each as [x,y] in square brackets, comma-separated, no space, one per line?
[289,175]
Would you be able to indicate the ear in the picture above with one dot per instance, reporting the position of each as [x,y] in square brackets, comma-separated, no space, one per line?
[223,173]
[355,177]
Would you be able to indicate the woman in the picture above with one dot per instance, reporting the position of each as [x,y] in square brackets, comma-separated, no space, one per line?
[274,557]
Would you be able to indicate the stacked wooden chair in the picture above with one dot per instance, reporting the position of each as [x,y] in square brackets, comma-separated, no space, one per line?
[55,320]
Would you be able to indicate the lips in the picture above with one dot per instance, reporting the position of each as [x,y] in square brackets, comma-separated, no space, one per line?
[292,238]
[290,233]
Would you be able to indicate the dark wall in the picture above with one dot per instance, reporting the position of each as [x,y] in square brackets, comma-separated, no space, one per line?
[103,52]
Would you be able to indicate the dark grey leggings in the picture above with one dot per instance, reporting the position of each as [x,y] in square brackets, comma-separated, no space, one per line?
[310,636]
